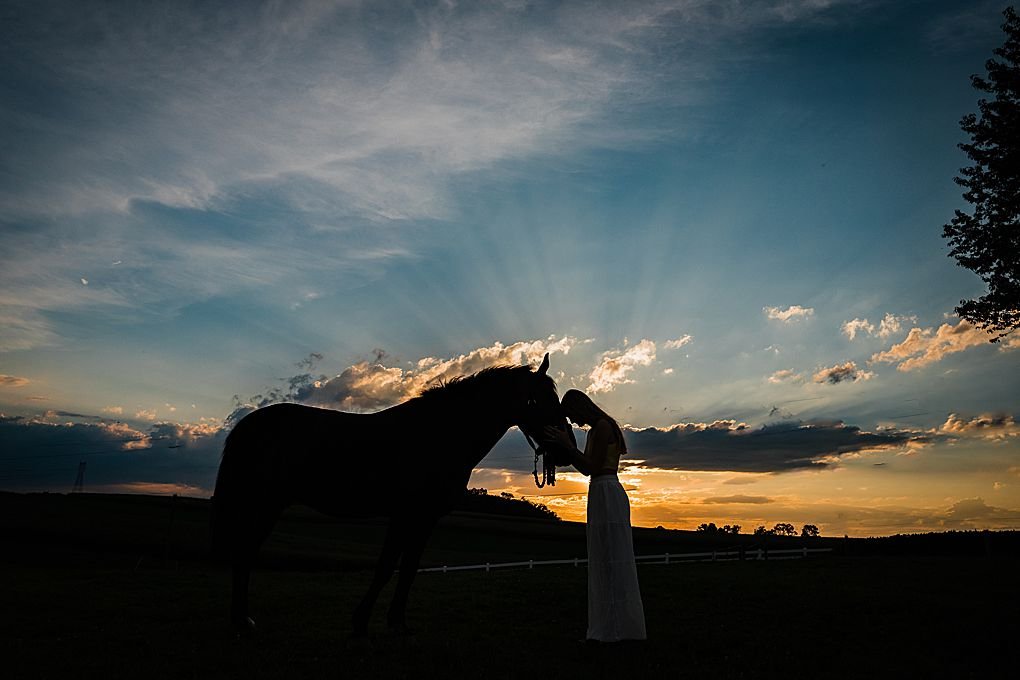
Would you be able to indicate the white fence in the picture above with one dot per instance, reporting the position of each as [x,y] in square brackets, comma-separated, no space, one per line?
[665,558]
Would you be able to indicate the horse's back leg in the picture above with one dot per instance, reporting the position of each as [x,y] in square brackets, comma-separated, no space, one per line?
[414,545]
[392,546]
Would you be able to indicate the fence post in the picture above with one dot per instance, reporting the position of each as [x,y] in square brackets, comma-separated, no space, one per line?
[575,561]
[713,556]
[531,564]
[486,567]
[759,557]
[805,551]
[667,558]
[444,568]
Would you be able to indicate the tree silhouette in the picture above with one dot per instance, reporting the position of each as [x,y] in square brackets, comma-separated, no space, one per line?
[809,531]
[709,528]
[988,241]
[784,529]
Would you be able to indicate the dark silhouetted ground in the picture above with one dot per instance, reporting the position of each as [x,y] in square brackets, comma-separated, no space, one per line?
[92,588]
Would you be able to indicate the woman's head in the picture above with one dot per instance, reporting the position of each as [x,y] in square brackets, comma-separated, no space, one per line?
[581,409]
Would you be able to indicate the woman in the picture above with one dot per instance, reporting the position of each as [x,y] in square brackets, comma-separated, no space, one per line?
[614,600]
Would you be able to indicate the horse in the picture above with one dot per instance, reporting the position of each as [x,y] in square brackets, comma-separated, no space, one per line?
[425,449]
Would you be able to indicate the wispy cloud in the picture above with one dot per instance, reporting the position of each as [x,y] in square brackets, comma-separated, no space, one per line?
[889,325]
[13,381]
[737,499]
[185,154]
[792,313]
[678,342]
[785,375]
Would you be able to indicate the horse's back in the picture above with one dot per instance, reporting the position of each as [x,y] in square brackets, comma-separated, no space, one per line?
[301,454]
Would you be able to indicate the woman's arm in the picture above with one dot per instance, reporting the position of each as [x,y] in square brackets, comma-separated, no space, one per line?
[594,455]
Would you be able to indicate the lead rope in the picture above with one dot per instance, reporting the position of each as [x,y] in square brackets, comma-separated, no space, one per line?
[548,466]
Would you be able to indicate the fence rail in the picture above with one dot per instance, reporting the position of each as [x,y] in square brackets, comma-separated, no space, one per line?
[665,558]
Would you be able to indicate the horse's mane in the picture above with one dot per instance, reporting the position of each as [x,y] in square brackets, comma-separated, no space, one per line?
[492,378]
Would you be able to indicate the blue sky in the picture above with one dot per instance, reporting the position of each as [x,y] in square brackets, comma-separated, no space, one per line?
[195,198]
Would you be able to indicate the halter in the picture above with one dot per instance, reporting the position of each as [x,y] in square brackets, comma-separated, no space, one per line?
[548,466]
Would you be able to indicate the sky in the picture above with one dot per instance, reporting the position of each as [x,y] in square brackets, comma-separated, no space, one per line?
[721,219]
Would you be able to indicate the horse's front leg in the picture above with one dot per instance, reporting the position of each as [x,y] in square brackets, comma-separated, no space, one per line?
[383,570]
[417,537]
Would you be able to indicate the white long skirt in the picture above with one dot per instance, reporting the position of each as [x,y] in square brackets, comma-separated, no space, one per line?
[615,611]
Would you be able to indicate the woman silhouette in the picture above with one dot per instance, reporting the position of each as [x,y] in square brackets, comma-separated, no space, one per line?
[615,611]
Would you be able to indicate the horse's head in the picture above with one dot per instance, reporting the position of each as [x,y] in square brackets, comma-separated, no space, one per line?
[540,406]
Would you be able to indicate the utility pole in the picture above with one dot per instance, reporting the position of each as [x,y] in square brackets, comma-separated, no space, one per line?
[79,481]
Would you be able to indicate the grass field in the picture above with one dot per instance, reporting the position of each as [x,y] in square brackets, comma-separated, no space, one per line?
[93,589]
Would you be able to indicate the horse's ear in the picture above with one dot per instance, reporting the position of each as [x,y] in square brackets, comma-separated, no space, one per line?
[545,365]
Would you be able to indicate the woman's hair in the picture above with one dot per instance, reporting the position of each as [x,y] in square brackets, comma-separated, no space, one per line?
[580,403]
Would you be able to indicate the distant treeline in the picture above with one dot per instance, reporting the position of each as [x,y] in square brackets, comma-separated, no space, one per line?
[780,529]
[479,500]
[941,543]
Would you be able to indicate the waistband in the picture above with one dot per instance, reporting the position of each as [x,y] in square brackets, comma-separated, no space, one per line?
[608,476]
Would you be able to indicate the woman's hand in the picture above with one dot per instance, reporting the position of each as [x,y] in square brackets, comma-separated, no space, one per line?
[558,436]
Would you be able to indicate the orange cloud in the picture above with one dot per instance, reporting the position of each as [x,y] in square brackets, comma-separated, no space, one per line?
[847,372]
[366,386]
[616,366]
[985,426]
[13,381]
[923,346]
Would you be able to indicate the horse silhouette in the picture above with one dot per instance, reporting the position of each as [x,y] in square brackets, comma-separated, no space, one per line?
[424,449]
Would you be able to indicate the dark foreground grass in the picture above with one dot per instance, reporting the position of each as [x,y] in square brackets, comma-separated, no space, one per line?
[117,587]
[839,617]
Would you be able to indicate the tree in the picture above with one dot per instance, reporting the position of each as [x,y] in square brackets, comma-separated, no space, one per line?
[988,241]
[709,528]
[784,529]
[809,531]
[731,529]
[762,531]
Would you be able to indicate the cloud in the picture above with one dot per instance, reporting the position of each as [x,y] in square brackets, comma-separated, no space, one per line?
[785,375]
[726,445]
[13,381]
[726,500]
[985,426]
[889,325]
[146,414]
[616,365]
[371,386]
[970,512]
[923,346]
[851,328]
[678,343]
[113,410]
[39,454]
[847,372]
[789,314]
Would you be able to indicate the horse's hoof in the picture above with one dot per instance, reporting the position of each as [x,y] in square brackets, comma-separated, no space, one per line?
[245,628]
